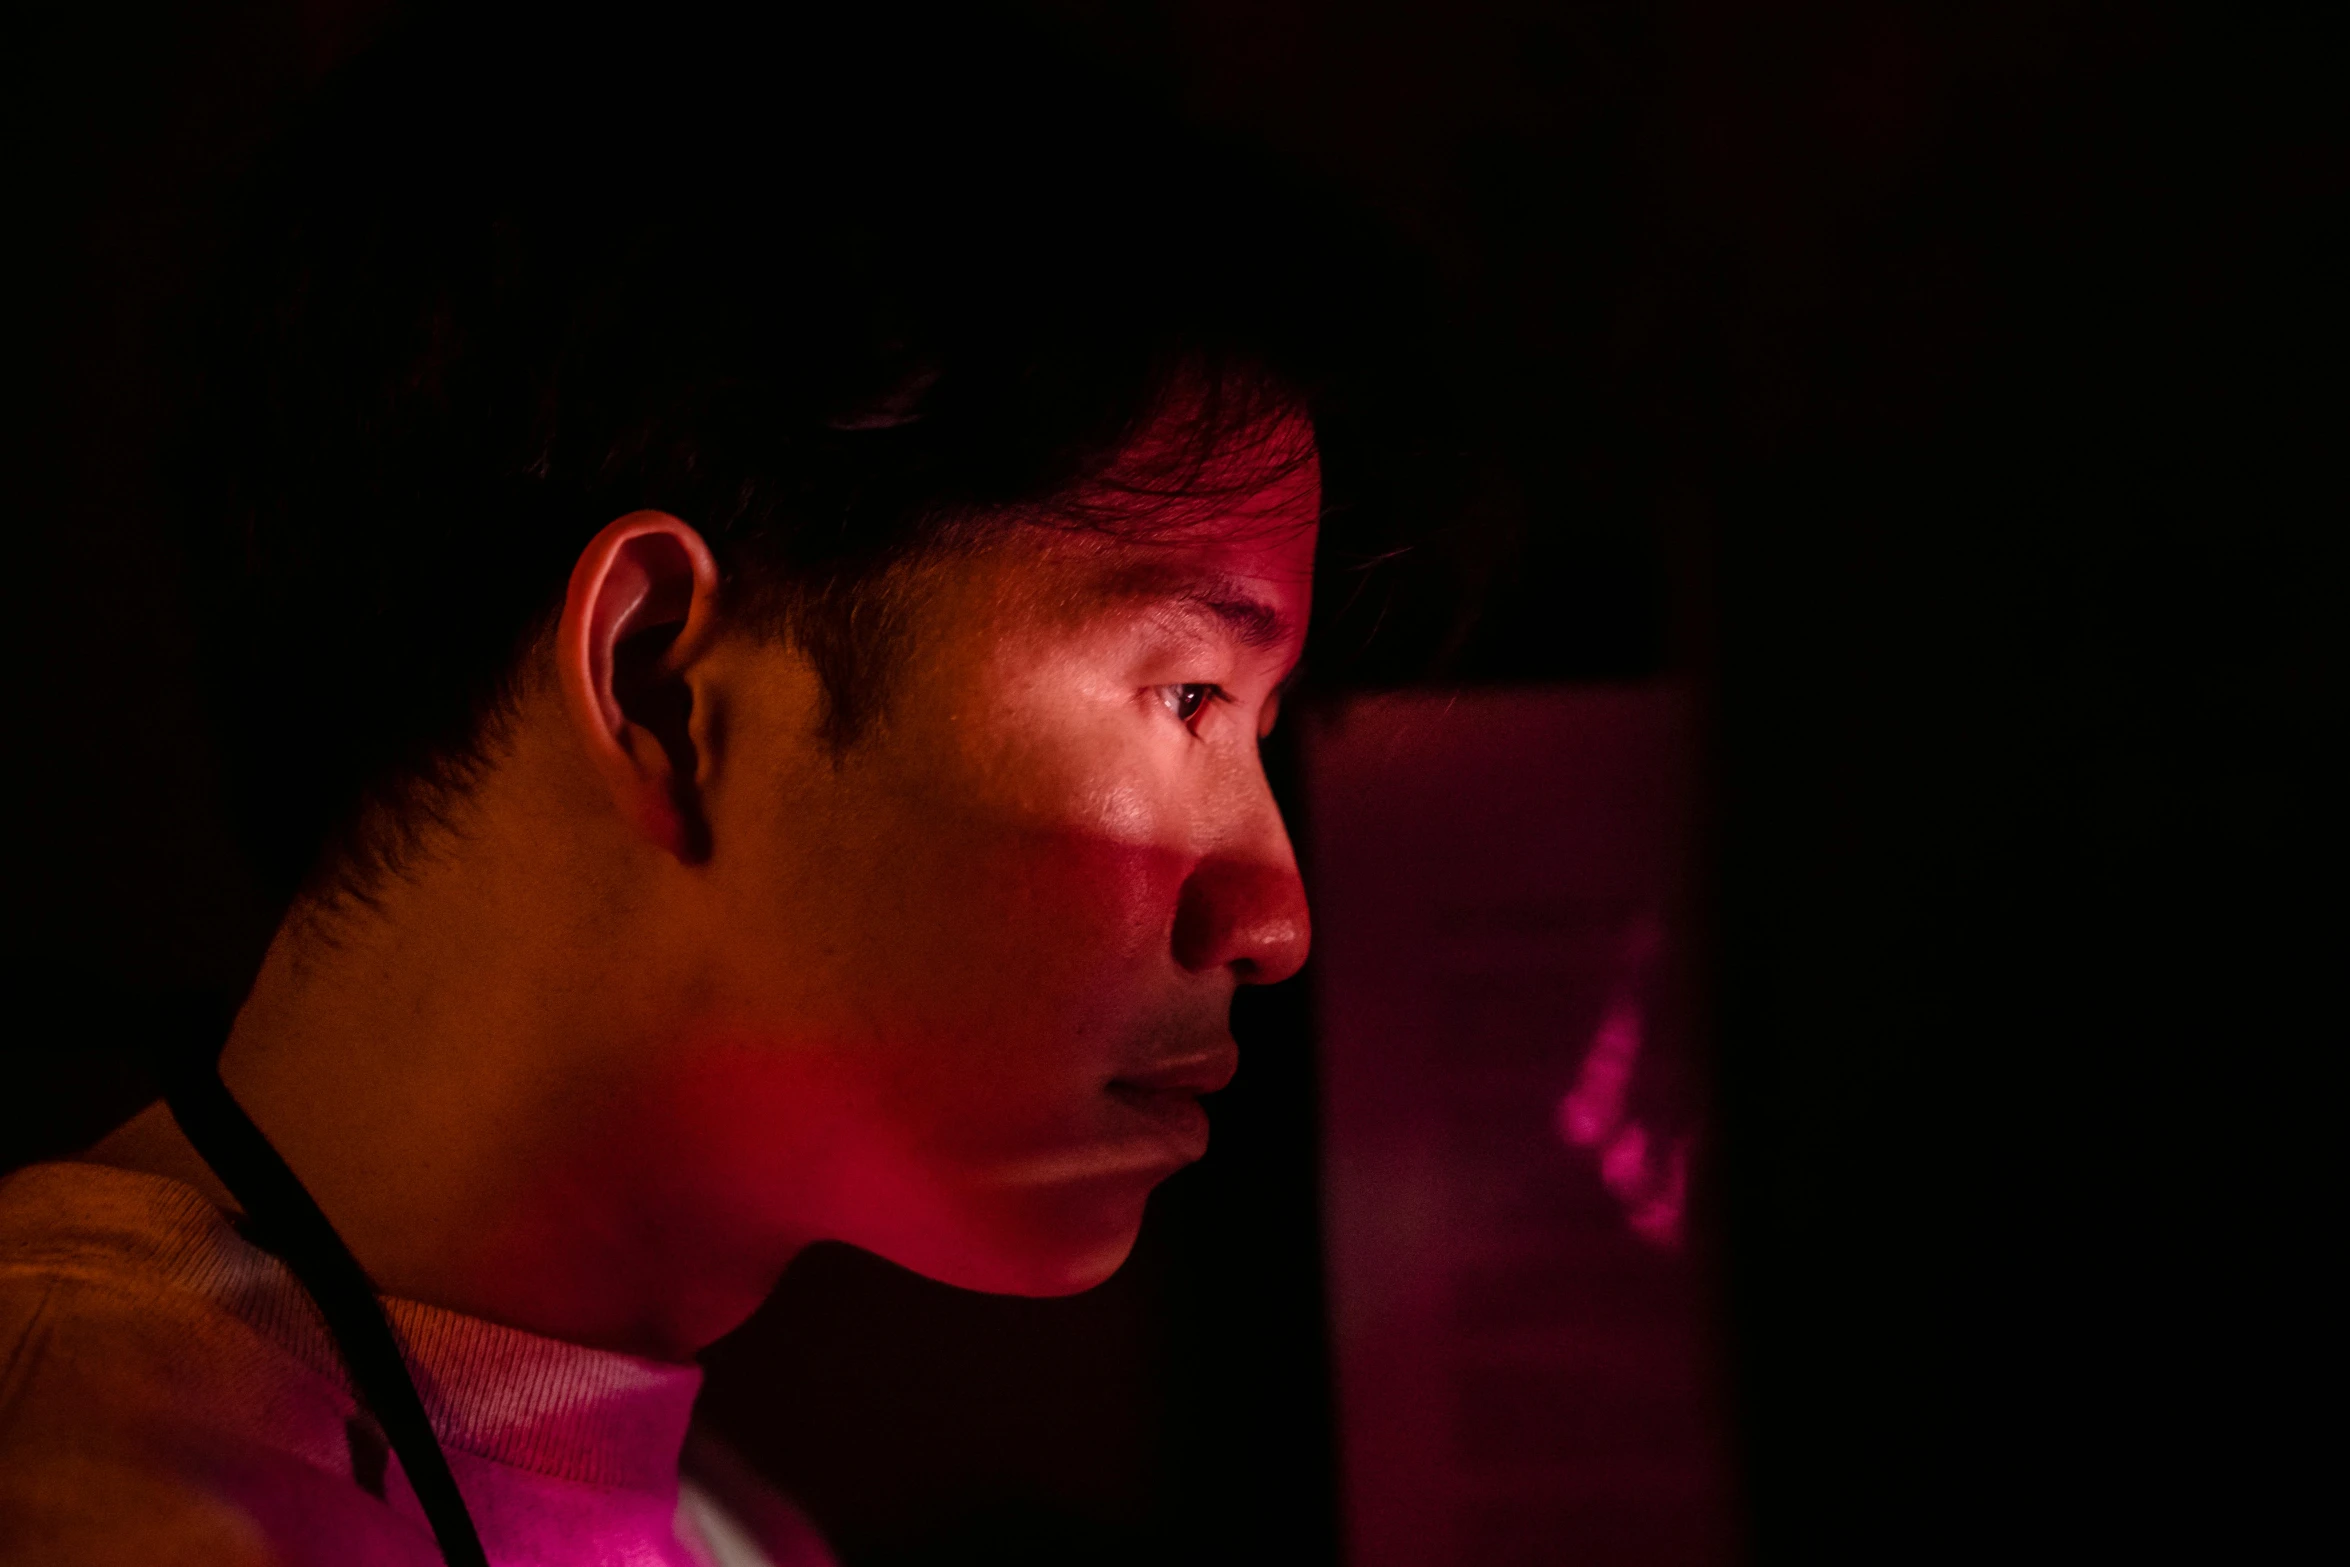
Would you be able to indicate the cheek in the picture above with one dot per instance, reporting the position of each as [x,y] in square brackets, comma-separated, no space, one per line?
[1038,866]
[967,941]
[1027,951]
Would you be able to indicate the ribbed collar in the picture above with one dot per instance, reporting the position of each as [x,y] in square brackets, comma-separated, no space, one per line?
[499,1393]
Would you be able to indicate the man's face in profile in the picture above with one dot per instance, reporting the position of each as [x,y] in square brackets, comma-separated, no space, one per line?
[965,981]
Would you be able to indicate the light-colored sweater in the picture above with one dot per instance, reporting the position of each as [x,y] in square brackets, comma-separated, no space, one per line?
[169,1394]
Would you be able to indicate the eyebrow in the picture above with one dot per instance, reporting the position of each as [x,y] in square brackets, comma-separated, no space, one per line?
[1254,622]
[1229,602]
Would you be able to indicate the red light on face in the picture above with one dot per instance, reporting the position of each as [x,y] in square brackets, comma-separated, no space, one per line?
[951,993]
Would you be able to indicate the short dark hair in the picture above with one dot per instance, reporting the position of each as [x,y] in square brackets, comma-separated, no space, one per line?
[819,287]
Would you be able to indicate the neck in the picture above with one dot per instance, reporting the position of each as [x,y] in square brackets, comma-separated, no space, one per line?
[471,1127]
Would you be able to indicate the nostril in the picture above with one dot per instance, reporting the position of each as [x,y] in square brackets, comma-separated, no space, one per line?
[1248,916]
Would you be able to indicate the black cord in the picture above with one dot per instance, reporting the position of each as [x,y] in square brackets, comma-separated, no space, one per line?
[282,1219]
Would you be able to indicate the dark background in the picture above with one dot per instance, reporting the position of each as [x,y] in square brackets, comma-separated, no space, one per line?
[1949,392]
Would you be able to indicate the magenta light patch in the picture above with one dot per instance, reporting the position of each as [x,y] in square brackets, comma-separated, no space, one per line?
[1525,1360]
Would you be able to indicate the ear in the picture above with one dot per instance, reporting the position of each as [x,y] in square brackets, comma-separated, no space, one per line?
[642,604]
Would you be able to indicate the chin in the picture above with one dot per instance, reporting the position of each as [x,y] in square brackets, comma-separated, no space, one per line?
[1060,1242]
[1067,1273]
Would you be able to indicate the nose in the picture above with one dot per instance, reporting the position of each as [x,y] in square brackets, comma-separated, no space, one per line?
[1244,908]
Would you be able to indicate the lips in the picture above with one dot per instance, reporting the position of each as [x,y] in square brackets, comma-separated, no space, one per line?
[1191,1075]
[1166,1096]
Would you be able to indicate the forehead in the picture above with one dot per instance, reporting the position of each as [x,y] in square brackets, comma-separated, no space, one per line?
[1221,545]
[1240,558]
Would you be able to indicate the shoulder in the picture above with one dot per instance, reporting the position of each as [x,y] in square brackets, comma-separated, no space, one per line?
[86,1361]
[109,1488]
[92,1510]
[127,1304]
[146,1416]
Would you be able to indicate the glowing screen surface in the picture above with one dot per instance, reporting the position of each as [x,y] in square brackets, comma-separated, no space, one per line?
[1523,1355]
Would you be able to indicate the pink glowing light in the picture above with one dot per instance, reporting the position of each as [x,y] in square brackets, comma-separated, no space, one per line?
[1594,1108]
[1648,1174]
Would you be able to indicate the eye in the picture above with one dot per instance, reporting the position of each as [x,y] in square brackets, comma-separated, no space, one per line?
[1185,701]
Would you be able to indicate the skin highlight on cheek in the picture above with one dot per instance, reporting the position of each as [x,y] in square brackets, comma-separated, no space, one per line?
[1124,813]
